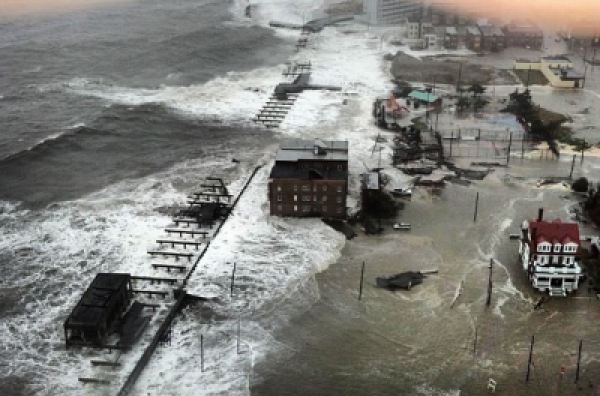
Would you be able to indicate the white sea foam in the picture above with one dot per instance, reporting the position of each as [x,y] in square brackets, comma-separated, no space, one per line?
[111,230]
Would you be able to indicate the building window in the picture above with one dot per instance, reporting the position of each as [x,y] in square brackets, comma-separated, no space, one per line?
[543,247]
[339,210]
[339,189]
[305,188]
[295,187]
[279,198]
[315,188]
[306,198]
[306,208]
[278,188]
[542,279]
[295,198]
[324,188]
[279,208]
[557,248]
[324,208]
[295,208]
[339,199]
[324,198]
[314,198]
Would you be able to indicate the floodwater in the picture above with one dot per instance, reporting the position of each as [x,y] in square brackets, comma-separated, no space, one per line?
[440,338]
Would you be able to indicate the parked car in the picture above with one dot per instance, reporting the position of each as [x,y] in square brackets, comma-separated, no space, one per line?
[401,192]
[401,226]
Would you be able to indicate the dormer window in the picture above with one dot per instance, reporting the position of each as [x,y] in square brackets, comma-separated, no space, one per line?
[570,248]
[544,247]
[557,247]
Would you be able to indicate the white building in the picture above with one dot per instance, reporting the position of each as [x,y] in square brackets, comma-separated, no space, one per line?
[549,253]
[557,69]
[390,12]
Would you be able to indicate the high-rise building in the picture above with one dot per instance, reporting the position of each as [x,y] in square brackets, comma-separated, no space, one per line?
[391,12]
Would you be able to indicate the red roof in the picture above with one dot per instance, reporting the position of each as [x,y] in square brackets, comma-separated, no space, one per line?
[554,232]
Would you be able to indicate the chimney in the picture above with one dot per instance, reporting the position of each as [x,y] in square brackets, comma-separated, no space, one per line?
[540,214]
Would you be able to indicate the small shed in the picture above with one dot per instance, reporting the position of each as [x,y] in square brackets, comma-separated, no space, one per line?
[99,310]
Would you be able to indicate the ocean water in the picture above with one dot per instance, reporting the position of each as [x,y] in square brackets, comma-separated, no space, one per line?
[112,116]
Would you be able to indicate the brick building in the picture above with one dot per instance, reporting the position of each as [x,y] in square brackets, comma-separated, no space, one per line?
[473,38]
[451,40]
[310,179]
[524,34]
[493,39]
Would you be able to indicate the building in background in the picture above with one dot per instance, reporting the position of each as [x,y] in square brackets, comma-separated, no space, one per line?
[524,34]
[391,12]
[558,70]
[492,37]
[310,179]
[451,38]
[473,38]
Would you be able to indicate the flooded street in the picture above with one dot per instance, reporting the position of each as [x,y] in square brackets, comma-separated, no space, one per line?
[440,337]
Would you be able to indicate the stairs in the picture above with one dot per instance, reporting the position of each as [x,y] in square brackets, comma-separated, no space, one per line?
[557,292]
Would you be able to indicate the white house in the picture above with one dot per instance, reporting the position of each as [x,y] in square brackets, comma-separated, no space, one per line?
[549,252]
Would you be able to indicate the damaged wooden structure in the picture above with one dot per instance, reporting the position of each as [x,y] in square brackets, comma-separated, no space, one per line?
[99,311]
[280,103]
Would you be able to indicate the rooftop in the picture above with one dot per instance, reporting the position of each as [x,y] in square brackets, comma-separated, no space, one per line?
[280,172]
[561,58]
[473,30]
[294,150]
[303,144]
[554,231]
[423,95]
[489,30]
[451,30]
[567,73]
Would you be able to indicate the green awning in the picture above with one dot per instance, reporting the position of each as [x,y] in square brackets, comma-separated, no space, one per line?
[423,96]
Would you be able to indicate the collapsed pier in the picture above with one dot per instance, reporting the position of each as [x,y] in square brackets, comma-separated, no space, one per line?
[117,309]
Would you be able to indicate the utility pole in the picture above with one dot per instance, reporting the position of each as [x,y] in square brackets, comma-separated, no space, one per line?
[528,75]
[476,206]
[459,77]
[530,358]
[578,361]
[362,276]
[508,149]
[232,279]
[489,296]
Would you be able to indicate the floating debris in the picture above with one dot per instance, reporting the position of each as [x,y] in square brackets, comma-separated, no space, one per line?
[403,280]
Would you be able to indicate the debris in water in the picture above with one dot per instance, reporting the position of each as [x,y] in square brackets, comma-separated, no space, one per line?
[403,280]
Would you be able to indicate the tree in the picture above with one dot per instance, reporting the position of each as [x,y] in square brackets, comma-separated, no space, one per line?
[480,103]
[580,185]
[379,204]
[476,89]
[462,104]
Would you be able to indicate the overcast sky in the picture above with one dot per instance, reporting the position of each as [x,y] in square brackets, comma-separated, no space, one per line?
[19,7]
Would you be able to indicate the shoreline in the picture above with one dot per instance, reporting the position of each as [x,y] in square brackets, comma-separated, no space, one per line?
[421,341]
